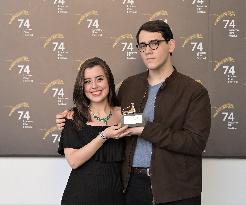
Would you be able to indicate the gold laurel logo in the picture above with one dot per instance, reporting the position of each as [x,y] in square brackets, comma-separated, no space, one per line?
[53,37]
[17,14]
[16,107]
[193,36]
[52,129]
[54,82]
[157,14]
[124,36]
[85,15]
[223,61]
[18,60]
[199,81]
[80,63]
[117,87]
[221,16]
[223,107]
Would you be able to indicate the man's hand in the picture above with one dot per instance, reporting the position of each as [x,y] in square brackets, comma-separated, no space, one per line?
[61,117]
[132,131]
[115,131]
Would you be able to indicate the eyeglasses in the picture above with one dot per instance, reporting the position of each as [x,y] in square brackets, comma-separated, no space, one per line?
[154,44]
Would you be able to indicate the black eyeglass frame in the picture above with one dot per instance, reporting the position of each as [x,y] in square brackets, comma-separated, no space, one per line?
[149,44]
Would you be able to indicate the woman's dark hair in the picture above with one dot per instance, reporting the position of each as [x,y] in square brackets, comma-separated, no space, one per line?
[81,109]
[156,26]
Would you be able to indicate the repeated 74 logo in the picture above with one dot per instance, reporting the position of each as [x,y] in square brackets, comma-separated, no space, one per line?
[52,134]
[57,89]
[228,115]
[125,43]
[61,6]
[201,6]
[229,23]
[92,20]
[22,64]
[23,22]
[57,44]
[130,6]
[24,114]
[160,15]
[196,44]
[228,66]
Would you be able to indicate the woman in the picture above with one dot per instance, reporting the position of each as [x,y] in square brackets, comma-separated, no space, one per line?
[89,140]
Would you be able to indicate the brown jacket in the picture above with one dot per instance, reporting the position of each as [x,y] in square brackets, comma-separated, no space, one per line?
[178,134]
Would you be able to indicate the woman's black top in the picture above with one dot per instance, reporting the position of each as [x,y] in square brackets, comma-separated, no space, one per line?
[98,180]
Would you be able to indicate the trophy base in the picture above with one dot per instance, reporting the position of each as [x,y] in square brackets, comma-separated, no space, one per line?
[133,120]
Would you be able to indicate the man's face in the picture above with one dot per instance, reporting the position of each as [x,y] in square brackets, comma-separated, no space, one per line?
[159,55]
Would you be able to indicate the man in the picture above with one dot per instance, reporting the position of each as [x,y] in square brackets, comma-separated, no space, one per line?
[163,159]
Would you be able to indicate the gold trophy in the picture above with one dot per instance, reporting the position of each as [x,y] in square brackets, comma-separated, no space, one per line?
[131,118]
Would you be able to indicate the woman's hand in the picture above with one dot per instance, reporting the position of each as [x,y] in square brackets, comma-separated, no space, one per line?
[115,131]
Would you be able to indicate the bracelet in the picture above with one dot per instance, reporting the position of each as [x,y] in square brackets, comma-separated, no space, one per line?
[102,136]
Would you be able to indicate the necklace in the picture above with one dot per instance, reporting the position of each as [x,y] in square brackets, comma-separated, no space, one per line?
[103,119]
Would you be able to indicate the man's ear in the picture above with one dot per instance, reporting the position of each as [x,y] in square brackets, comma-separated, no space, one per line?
[171,44]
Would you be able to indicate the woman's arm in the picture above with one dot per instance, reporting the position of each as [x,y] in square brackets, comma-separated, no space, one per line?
[77,157]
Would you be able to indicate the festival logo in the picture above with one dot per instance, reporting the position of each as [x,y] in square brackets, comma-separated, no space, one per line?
[117,86]
[57,44]
[57,90]
[24,114]
[22,64]
[125,43]
[201,6]
[159,15]
[61,6]
[196,44]
[92,20]
[52,135]
[23,22]
[227,114]
[227,19]
[130,6]
[79,63]
[229,69]
[199,81]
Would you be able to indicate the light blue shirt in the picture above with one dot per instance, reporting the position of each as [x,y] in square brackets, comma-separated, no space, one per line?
[143,151]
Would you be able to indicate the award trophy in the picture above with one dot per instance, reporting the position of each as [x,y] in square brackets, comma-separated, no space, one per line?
[131,118]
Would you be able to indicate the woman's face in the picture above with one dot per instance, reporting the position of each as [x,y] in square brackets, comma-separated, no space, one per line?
[96,87]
